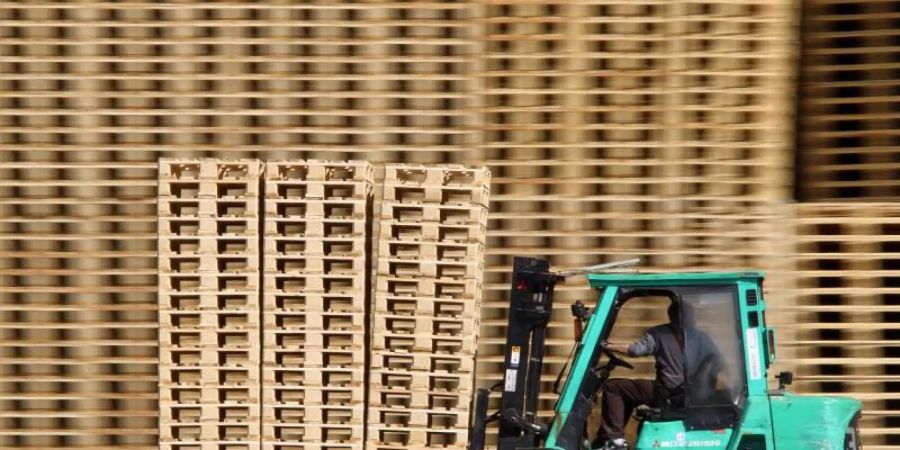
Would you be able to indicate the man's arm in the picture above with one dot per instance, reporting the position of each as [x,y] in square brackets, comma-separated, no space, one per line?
[644,346]
[621,349]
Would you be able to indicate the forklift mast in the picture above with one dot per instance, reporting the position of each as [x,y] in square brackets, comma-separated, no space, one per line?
[531,299]
[530,308]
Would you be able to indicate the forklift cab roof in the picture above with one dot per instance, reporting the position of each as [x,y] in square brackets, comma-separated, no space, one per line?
[602,280]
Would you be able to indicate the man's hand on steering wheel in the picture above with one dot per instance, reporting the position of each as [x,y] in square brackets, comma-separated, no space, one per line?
[611,349]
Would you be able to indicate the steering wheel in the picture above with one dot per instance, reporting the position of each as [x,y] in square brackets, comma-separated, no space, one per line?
[615,360]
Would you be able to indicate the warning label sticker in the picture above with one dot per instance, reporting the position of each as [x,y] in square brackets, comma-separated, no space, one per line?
[753,353]
[509,384]
[514,356]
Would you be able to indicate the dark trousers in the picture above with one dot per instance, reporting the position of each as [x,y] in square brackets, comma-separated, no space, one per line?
[620,397]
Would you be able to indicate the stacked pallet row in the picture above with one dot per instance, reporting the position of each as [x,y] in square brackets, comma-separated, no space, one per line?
[731,123]
[850,77]
[847,267]
[544,202]
[209,378]
[314,305]
[78,321]
[427,306]
[93,92]
[332,78]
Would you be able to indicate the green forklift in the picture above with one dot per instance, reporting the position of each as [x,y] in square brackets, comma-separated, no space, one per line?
[727,404]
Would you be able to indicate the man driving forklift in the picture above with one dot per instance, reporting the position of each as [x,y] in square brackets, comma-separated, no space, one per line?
[666,343]
[621,396]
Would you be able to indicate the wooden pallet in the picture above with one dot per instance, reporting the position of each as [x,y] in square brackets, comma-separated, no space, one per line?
[409,307]
[350,415]
[270,445]
[313,377]
[384,380]
[434,212]
[316,433]
[411,267]
[219,445]
[385,437]
[276,395]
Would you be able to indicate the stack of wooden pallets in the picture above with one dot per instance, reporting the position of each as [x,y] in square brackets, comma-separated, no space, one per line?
[209,304]
[315,278]
[427,300]
[846,310]
[849,146]
[303,385]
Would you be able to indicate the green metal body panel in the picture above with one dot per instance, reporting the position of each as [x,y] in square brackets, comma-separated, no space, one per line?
[661,435]
[812,422]
[794,422]
[784,422]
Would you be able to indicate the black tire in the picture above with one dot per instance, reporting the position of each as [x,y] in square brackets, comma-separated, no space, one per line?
[851,438]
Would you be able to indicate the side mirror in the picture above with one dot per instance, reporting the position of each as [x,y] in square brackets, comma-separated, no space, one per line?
[785,378]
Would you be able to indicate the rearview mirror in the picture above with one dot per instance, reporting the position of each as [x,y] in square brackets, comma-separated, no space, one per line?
[785,378]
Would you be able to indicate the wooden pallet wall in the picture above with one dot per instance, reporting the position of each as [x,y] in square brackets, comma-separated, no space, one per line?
[330,77]
[850,77]
[611,128]
[93,93]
